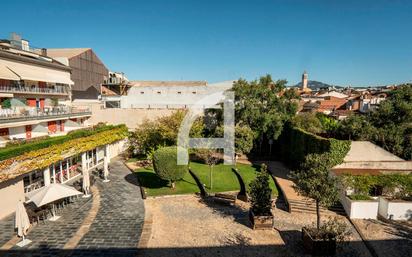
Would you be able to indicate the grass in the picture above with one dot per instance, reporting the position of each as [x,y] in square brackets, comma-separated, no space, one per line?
[223,180]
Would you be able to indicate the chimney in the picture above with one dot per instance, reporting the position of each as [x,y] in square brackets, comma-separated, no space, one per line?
[44,52]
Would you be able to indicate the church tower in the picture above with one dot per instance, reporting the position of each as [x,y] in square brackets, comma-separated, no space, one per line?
[304,81]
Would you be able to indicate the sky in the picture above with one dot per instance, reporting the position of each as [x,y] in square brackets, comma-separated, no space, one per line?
[357,43]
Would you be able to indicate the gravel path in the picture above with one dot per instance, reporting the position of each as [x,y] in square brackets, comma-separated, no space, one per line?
[188,226]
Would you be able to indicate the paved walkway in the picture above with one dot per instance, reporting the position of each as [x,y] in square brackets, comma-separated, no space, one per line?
[109,224]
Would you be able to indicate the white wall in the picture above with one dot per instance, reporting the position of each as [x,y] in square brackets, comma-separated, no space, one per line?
[17,132]
[400,210]
[365,209]
[11,192]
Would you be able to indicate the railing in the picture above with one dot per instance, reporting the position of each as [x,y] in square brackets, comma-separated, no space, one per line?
[35,89]
[31,113]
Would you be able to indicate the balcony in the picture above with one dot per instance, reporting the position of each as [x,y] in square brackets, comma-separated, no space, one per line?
[31,113]
[20,89]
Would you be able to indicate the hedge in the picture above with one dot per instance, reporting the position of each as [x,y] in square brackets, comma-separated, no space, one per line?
[294,144]
[16,149]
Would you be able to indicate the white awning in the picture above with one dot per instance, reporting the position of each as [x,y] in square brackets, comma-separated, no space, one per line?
[37,73]
[7,74]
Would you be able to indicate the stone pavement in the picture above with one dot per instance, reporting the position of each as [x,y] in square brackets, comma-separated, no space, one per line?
[119,222]
[113,231]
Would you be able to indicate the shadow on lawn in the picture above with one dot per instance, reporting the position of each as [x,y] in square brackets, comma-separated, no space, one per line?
[151,180]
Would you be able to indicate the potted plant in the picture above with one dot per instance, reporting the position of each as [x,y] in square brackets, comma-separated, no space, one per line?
[260,213]
[312,180]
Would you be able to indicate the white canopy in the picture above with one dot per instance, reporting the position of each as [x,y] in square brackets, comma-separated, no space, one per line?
[37,73]
[6,73]
[51,193]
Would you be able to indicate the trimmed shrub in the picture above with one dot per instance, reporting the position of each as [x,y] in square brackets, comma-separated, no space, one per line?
[165,165]
[295,144]
[261,194]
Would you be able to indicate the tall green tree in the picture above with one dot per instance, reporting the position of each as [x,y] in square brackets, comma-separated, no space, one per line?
[262,106]
[312,180]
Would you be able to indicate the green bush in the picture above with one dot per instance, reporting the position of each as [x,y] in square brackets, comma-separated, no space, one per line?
[359,197]
[165,165]
[260,193]
[396,185]
[19,148]
[295,144]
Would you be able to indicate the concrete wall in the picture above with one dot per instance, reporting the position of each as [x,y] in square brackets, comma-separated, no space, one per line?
[399,210]
[11,192]
[131,117]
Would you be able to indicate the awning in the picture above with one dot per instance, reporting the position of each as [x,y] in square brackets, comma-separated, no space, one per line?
[37,73]
[7,74]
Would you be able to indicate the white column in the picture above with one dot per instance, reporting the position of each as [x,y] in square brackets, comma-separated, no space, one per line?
[84,162]
[107,152]
[54,173]
[61,172]
[67,168]
[46,176]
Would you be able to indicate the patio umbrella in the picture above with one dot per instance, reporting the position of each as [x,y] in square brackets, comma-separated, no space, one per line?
[86,183]
[22,223]
[51,193]
[105,169]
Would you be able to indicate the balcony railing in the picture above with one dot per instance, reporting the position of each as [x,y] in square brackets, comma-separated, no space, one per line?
[35,89]
[32,113]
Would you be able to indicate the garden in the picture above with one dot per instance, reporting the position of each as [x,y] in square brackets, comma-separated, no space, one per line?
[223,179]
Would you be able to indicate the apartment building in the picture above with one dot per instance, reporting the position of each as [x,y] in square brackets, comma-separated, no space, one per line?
[35,94]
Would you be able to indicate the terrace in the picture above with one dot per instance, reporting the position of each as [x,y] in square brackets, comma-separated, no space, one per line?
[31,113]
[21,89]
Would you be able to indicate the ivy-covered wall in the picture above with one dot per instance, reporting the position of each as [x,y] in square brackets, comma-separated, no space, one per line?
[294,144]
[42,158]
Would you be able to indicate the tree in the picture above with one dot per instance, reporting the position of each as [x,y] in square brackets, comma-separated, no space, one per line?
[355,127]
[243,138]
[160,132]
[262,106]
[211,159]
[313,180]
[389,126]
[308,122]
[165,165]
[260,193]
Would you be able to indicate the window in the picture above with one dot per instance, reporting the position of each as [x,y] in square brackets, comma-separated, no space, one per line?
[194,92]
[142,93]
[158,92]
[179,93]
[112,104]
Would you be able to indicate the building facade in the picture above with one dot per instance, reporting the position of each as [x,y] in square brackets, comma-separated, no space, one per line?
[35,94]
[88,72]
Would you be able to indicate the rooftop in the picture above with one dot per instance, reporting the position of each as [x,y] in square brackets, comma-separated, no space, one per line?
[65,52]
[142,83]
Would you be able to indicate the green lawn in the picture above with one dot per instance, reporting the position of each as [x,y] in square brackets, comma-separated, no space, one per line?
[223,180]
